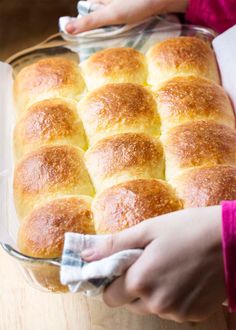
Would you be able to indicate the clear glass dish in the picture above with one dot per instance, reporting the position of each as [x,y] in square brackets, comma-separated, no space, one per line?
[44,273]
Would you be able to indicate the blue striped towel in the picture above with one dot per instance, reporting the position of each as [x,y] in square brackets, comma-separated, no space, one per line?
[91,278]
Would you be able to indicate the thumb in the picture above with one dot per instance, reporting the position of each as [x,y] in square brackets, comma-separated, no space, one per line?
[135,237]
[100,17]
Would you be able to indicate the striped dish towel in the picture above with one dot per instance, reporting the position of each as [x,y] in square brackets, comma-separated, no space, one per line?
[139,35]
[91,278]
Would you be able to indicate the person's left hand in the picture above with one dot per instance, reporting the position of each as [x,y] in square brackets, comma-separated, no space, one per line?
[115,12]
[180,275]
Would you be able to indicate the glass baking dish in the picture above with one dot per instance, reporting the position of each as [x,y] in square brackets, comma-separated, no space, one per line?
[44,273]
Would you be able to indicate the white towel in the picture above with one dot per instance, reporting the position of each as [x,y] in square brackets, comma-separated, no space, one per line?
[91,278]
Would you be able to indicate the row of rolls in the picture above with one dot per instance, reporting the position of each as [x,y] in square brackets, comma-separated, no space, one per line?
[118,139]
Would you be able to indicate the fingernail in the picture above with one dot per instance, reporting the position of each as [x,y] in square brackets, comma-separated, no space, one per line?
[70,28]
[87,253]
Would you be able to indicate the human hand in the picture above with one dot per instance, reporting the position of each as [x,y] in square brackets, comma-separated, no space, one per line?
[180,274]
[119,12]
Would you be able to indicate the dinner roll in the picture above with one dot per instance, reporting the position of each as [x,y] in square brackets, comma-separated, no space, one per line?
[181,56]
[52,121]
[41,233]
[49,172]
[200,143]
[206,186]
[114,65]
[47,78]
[126,204]
[118,108]
[191,98]
[124,157]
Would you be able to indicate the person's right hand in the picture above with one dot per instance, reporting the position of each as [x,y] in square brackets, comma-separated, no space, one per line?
[180,274]
[129,11]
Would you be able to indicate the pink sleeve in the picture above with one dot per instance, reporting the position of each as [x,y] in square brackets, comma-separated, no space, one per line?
[216,14]
[229,250]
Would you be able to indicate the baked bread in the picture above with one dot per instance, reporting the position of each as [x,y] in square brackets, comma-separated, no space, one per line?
[200,143]
[48,78]
[190,98]
[118,108]
[115,65]
[206,186]
[181,56]
[126,204]
[48,122]
[49,172]
[41,234]
[149,150]
[123,157]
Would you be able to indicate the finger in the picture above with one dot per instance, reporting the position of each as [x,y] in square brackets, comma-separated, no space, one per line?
[100,17]
[138,307]
[117,293]
[135,237]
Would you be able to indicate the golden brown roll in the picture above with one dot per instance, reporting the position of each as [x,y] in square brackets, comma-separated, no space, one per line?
[41,233]
[124,157]
[131,202]
[52,121]
[191,98]
[118,108]
[47,78]
[179,57]
[114,65]
[49,172]
[205,186]
[201,143]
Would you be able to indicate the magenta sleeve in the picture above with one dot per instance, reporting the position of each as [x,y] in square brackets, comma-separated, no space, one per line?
[229,250]
[219,15]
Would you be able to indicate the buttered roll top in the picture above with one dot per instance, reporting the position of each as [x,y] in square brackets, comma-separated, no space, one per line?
[48,122]
[118,108]
[127,204]
[191,98]
[206,186]
[115,65]
[180,57]
[48,172]
[200,143]
[48,78]
[42,232]
[124,157]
